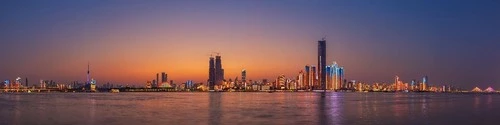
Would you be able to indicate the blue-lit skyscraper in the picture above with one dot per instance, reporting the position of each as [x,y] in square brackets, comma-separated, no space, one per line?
[425,83]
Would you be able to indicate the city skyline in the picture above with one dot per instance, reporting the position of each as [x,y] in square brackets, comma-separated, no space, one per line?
[374,41]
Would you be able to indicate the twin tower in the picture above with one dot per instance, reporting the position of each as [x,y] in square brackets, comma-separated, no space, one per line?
[215,72]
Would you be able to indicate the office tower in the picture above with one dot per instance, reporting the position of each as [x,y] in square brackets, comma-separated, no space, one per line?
[307,79]
[413,82]
[157,80]
[215,72]
[424,83]
[334,73]
[300,80]
[163,77]
[322,63]
[218,70]
[189,84]
[280,82]
[244,75]
[328,79]
[26,79]
[314,77]
[154,83]
[211,73]
[341,78]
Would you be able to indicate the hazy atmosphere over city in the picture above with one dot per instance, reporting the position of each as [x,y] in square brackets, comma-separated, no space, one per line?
[129,41]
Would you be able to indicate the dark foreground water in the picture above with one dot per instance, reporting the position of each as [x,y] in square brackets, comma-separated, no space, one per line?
[248,108]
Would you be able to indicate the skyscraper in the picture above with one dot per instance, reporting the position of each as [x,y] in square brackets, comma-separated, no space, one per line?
[307,78]
[300,80]
[218,70]
[215,72]
[341,78]
[328,79]
[244,76]
[211,73]
[280,82]
[163,77]
[425,83]
[314,78]
[26,81]
[322,63]
[336,74]
[157,80]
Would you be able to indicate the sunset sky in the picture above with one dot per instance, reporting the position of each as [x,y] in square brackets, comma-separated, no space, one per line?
[129,41]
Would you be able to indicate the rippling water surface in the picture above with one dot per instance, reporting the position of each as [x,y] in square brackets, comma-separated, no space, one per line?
[301,108]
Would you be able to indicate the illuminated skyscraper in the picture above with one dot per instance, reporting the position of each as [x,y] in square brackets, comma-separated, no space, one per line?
[244,75]
[337,76]
[281,82]
[396,81]
[341,78]
[307,77]
[413,83]
[314,78]
[322,64]
[425,83]
[300,80]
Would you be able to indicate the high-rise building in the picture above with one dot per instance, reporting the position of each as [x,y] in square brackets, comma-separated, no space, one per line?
[322,64]
[211,73]
[425,83]
[163,77]
[307,77]
[337,76]
[26,81]
[314,77]
[341,78]
[215,72]
[396,81]
[328,79]
[300,80]
[281,82]
[218,70]
[157,80]
[412,84]
[244,76]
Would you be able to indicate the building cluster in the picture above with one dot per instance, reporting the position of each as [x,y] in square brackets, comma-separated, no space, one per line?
[156,83]
[320,77]
[399,86]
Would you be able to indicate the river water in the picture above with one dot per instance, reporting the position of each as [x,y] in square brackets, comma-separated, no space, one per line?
[253,108]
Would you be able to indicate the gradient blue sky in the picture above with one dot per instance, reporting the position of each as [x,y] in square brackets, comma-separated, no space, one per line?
[451,41]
